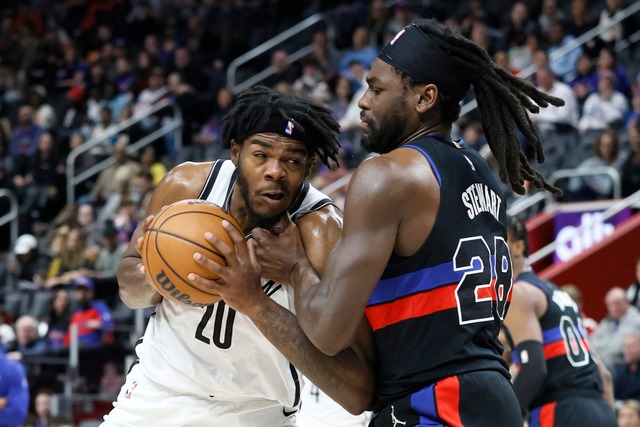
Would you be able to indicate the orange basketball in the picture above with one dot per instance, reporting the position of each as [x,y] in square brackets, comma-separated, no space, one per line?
[175,234]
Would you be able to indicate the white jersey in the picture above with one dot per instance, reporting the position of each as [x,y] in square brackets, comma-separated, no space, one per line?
[215,352]
[319,410]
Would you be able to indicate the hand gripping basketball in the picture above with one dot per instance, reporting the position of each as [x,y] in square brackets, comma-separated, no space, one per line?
[176,233]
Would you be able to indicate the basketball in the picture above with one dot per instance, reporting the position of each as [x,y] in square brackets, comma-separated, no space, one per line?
[175,234]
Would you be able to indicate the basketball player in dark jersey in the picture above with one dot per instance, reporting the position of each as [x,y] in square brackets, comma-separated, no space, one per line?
[423,251]
[558,382]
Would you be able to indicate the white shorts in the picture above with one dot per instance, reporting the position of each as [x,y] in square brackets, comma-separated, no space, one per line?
[142,402]
[319,410]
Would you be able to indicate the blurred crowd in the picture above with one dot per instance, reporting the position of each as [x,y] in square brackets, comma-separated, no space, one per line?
[77,71]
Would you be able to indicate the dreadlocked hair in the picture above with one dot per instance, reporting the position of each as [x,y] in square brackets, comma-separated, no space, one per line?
[503,100]
[252,107]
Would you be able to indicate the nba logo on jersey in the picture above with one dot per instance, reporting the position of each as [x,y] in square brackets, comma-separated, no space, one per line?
[129,391]
[289,129]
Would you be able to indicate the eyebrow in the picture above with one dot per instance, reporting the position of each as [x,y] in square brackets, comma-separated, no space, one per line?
[297,150]
[371,80]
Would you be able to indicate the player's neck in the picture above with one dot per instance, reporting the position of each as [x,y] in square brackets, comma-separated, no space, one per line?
[440,130]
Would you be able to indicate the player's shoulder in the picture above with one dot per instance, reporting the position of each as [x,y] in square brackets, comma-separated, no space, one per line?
[185,180]
[191,169]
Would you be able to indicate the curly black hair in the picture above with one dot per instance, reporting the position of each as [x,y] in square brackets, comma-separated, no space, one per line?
[252,107]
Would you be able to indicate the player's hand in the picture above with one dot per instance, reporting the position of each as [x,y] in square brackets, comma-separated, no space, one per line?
[278,250]
[144,226]
[239,282]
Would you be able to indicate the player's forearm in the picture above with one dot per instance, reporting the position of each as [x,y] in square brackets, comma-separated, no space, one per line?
[311,311]
[344,377]
[134,290]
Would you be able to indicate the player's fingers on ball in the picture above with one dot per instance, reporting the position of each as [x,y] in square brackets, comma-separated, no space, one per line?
[221,246]
[206,283]
[147,223]
[208,263]
[233,232]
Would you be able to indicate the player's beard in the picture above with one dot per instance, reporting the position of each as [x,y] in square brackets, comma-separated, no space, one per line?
[254,218]
[384,138]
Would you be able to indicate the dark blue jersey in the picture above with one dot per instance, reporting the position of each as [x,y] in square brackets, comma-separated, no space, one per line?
[571,370]
[437,313]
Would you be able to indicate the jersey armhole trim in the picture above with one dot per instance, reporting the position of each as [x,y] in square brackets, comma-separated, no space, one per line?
[429,159]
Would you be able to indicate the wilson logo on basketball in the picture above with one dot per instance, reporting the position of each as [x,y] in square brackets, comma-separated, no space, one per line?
[163,280]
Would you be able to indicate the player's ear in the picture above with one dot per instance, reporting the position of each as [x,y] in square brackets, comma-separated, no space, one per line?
[235,151]
[428,95]
[311,164]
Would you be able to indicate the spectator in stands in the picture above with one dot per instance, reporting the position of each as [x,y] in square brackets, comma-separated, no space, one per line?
[564,66]
[608,60]
[550,14]
[620,31]
[23,273]
[626,377]
[588,323]
[501,58]
[579,23]
[633,116]
[42,416]
[518,27]
[149,161]
[622,319]
[604,108]
[283,71]
[401,16]
[7,334]
[14,393]
[630,171]
[45,181]
[58,319]
[24,141]
[311,79]
[111,381]
[189,70]
[557,125]
[629,414]
[360,51]
[72,257]
[377,23]
[342,94]
[124,167]
[28,341]
[144,189]
[585,81]
[74,117]
[606,153]
[44,114]
[92,317]
[148,96]
[325,53]
[85,217]
[103,131]
[521,57]
[633,291]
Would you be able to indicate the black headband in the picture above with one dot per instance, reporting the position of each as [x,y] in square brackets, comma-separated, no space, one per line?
[273,123]
[415,53]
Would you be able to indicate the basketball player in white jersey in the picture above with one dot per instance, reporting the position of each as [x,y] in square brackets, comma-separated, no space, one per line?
[213,366]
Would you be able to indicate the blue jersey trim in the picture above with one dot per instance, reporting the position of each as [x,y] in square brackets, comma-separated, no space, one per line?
[551,335]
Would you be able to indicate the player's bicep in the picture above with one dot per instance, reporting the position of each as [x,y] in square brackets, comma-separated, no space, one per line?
[371,220]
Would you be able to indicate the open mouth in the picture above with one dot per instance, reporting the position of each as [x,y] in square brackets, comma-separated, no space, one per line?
[273,195]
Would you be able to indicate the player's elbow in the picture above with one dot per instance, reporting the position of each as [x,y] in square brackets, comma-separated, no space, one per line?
[329,346]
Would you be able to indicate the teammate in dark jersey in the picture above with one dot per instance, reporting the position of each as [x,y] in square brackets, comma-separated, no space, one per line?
[423,250]
[558,381]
